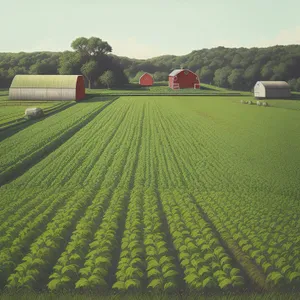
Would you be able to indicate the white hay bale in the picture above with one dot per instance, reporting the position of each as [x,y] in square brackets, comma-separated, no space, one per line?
[35,112]
[258,103]
[249,102]
[242,101]
[265,104]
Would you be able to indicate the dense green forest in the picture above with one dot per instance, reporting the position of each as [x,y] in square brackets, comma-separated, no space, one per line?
[234,68]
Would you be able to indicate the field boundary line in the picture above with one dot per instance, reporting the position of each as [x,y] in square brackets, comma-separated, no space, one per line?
[174,94]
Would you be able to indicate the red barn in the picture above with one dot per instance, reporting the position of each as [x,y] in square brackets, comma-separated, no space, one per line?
[146,80]
[183,79]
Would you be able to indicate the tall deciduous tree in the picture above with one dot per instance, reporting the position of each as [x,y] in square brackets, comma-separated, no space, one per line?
[108,78]
[221,76]
[237,60]
[297,85]
[267,71]
[160,76]
[206,74]
[235,79]
[293,84]
[91,56]
[69,63]
[88,70]
[91,48]
[43,68]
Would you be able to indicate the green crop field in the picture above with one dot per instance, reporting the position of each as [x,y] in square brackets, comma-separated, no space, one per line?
[140,194]
[12,113]
[3,93]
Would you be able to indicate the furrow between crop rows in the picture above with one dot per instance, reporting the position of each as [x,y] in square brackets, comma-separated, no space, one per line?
[15,244]
[38,151]
[98,270]
[65,272]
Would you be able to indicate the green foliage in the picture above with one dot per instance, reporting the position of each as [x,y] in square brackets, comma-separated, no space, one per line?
[92,46]
[33,142]
[151,193]
[246,65]
[275,277]
[88,69]
[108,78]
[225,283]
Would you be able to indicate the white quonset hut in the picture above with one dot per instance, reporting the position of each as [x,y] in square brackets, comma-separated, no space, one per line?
[47,87]
[272,89]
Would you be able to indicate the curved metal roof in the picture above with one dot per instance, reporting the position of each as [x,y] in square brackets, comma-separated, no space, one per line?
[45,81]
[177,71]
[275,84]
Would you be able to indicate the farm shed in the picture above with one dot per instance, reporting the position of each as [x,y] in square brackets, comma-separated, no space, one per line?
[271,89]
[146,80]
[183,79]
[47,87]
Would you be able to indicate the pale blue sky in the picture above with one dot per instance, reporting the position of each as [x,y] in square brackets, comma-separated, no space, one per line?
[143,29]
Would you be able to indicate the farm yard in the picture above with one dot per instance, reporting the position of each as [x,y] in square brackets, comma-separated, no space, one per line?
[162,88]
[152,193]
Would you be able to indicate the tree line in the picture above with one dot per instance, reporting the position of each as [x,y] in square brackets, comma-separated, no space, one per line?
[234,68]
[90,57]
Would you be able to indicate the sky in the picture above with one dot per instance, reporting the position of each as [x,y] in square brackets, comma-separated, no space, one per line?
[144,29]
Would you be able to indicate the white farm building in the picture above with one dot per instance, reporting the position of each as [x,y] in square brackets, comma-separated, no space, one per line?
[47,87]
[272,89]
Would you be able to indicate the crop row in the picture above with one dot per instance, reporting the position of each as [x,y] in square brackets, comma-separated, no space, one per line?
[31,143]
[203,259]
[273,247]
[112,171]
[146,196]
[72,259]
[16,241]
[15,115]
[284,271]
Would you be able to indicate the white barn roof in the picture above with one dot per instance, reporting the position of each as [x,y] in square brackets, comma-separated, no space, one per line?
[175,72]
[275,84]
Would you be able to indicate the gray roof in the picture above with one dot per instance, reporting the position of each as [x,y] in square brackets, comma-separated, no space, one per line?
[175,72]
[275,84]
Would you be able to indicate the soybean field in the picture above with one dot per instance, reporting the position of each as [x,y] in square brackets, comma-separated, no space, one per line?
[153,194]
